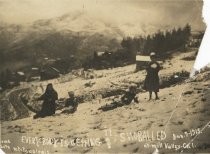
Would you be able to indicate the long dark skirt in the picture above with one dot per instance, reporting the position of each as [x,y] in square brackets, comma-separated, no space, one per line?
[151,83]
[48,109]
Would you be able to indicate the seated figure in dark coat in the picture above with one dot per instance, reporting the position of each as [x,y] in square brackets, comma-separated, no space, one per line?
[71,104]
[48,106]
[129,96]
[126,99]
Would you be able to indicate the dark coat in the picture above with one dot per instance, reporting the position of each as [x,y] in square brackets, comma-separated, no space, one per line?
[152,79]
[128,97]
[48,106]
[71,102]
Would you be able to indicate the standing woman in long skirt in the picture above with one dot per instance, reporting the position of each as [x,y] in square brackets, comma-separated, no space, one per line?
[152,78]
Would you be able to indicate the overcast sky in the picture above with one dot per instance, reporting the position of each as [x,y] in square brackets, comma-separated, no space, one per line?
[177,12]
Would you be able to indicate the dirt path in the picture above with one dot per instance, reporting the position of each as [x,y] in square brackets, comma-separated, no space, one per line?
[14,98]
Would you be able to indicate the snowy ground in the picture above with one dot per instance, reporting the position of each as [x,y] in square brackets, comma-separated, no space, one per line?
[135,128]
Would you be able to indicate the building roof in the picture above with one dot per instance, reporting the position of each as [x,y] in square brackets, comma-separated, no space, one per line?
[21,73]
[142,58]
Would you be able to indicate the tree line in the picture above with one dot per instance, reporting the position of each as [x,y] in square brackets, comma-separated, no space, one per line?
[160,42]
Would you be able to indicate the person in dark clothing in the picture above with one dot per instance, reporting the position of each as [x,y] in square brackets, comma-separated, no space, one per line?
[126,99]
[48,106]
[71,104]
[152,78]
[71,101]
[129,96]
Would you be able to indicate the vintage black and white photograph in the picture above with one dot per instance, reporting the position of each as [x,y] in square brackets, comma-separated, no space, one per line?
[103,76]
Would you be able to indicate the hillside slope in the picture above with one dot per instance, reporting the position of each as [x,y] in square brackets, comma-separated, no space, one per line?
[176,112]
